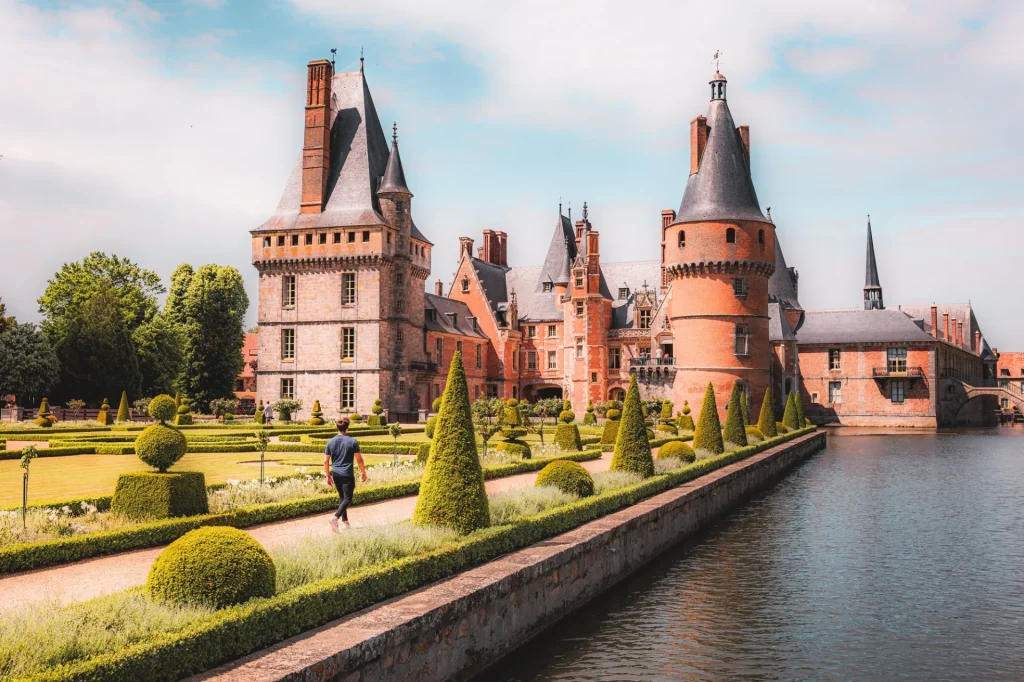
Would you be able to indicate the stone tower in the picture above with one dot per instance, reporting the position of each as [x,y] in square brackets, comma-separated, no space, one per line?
[719,256]
[872,287]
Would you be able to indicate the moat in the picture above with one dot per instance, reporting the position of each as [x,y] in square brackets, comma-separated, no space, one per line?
[882,557]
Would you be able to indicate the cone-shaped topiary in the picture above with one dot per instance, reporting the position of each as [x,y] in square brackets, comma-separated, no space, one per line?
[589,418]
[734,429]
[569,477]
[744,409]
[801,418]
[666,410]
[258,415]
[43,418]
[632,449]
[316,415]
[104,417]
[790,418]
[677,448]
[452,491]
[766,420]
[177,399]
[708,433]
[611,431]
[215,566]
[123,415]
[567,437]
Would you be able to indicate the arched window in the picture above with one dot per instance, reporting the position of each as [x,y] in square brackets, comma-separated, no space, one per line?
[682,238]
[730,236]
[760,237]
[465,285]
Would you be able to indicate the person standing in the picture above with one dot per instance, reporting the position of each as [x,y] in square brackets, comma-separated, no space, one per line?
[268,414]
[338,457]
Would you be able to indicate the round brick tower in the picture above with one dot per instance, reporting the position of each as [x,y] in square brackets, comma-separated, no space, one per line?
[719,255]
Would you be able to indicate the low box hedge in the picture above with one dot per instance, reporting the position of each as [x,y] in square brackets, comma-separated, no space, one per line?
[236,631]
[22,557]
[52,452]
[146,495]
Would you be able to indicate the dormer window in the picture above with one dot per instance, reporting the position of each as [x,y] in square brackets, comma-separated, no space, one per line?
[472,322]
[579,279]
[431,315]
[682,238]
[548,287]
[623,293]
[644,318]
[730,236]
[465,285]
[452,317]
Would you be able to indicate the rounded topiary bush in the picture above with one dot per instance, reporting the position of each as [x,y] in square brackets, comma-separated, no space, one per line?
[355,417]
[316,416]
[567,437]
[613,415]
[184,415]
[566,416]
[754,432]
[515,447]
[781,428]
[677,449]
[161,408]
[160,446]
[215,566]
[104,417]
[429,427]
[436,405]
[569,477]
[43,418]
[667,428]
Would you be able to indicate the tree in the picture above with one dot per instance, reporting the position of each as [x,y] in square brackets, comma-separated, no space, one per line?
[632,449]
[735,430]
[5,322]
[708,434]
[452,493]
[766,420]
[543,409]
[213,309]
[174,306]
[158,348]
[28,366]
[800,417]
[486,411]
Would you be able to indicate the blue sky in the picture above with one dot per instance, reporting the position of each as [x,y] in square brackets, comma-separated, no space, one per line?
[164,131]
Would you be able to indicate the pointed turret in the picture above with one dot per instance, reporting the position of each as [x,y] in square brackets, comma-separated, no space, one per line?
[561,252]
[872,286]
[584,241]
[394,175]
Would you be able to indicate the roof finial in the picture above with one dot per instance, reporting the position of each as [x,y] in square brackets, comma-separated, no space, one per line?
[360,59]
[394,133]
[334,52]
[559,205]
[584,213]
[716,56]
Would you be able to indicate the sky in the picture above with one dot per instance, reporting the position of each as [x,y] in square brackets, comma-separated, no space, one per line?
[165,131]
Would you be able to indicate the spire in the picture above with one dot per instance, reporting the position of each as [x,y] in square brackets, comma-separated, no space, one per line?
[561,252]
[360,58]
[581,251]
[872,287]
[394,174]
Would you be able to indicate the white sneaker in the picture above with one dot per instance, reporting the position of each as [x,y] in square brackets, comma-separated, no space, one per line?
[333,520]
[345,525]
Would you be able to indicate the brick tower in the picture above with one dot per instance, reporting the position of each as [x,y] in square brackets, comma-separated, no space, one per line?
[719,256]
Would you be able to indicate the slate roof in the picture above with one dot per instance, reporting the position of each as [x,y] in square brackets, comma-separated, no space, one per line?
[961,312]
[781,285]
[631,274]
[722,188]
[870,266]
[778,325]
[394,174]
[561,252]
[441,321]
[860,326]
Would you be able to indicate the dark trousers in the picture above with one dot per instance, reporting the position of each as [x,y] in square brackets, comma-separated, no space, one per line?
[345,485]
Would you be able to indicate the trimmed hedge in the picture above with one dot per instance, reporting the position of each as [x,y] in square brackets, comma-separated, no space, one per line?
[708,434]
[632,449]
[234,632]
[610,432]
[569,477]
[790,417]
[515,447]
[567,437]
[51,452]
[734,423]
[149,495]
[766,419]
[677,448]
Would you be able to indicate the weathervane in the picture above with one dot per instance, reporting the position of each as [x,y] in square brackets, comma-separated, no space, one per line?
[394,132]
[716,56]
[334,52]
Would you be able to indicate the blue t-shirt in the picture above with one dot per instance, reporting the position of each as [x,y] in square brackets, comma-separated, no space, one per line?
[342,450]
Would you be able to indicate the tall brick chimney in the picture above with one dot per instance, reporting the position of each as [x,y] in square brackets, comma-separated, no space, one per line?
[502,248]
[439,287]
[667,216]
[977,342]
[316,146]
[489,244]
[945,322]
[960,334]
[465,247]
[935,320]
[698,140]
[744,132]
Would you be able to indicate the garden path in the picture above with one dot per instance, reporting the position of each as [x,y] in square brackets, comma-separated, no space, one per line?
[90,578]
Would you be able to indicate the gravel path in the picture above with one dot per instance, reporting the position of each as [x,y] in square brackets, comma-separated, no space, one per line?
[103,575]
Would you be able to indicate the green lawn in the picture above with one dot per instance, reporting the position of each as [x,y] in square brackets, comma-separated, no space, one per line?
[75,476]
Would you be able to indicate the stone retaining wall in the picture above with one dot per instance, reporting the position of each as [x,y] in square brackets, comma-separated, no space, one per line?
[457,627]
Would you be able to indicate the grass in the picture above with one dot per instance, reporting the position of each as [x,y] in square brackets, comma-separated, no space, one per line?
[510,506]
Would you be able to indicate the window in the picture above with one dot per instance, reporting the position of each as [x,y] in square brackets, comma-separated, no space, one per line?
[835,391]
[760,238]
[1004,372]
[479,356]
[458,346]
[614,358]
[548,287]
[266,242]
[682,238]
[348,393]
[399,336]
[287,344]
[623,293]
[399,205]
[593,377]
[898,391]
[645,318]
[295,240]
[1004,403]
[348,288]
[366,235]
[531,331]
[309,240]
[897,361]
[351,237]
[742,339]
[389,236]
[579,308]
[492,391]
[280,240]
[515,361]
[431,315]
[579,279]
[740,286]
[439,350]
[323,237]
[465,285]
[552,331]
[730,236]
[515,392]
[531,360]
[552,359]
[400,306]
[348,343]
[288,294]
[834,360]
[399,279]
[476,392]
[579,347]
[287,389]
[337,237]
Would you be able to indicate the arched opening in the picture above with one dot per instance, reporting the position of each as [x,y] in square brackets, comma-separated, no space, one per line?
[730,236]
[545,392]
[617,394]
[760,238]
[682,238]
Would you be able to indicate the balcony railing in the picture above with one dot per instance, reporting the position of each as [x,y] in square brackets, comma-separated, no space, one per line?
[890,373]
[652,362]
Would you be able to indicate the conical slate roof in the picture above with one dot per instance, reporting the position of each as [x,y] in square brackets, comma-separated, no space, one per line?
[561,252]
[871,267]
[721,189]
[394,175]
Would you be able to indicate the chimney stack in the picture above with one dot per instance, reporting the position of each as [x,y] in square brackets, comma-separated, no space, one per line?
[439,287]
[698,140]
[316,146]
[977,342]
[744,132]
[489,244]
[502,248]
[465,247]
[945,322]
[667,216]
[935,321]
[960,334]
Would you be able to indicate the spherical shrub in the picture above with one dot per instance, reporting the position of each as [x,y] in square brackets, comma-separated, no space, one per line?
[569,477]
[613,415]
[430,426]
[160,446]
[754,432]
[511,402]
[781,428]
[355,417]
[436,405]
[162,408]
[667,428]
[677,449]
[514,447]
[213,566]
[566,416]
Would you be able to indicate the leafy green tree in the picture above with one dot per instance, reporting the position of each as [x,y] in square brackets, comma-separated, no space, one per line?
[452,493]
[5,322]
[213,310]
[766,420]
[487,412]
[708,433]
[544,409]
[28,366]
[174,306]
[158,349]
[735,429]
[632,449]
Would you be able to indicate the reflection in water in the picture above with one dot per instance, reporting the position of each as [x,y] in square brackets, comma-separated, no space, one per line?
[881,557]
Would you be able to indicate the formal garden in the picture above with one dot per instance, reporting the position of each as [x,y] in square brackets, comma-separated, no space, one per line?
[214,593]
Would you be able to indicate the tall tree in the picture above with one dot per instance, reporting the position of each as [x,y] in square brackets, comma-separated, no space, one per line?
[213,309]
[28,365]
[181,279]
[158,349]
[5,322]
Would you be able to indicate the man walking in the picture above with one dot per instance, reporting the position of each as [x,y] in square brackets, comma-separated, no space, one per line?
[268,414]
[338,456]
